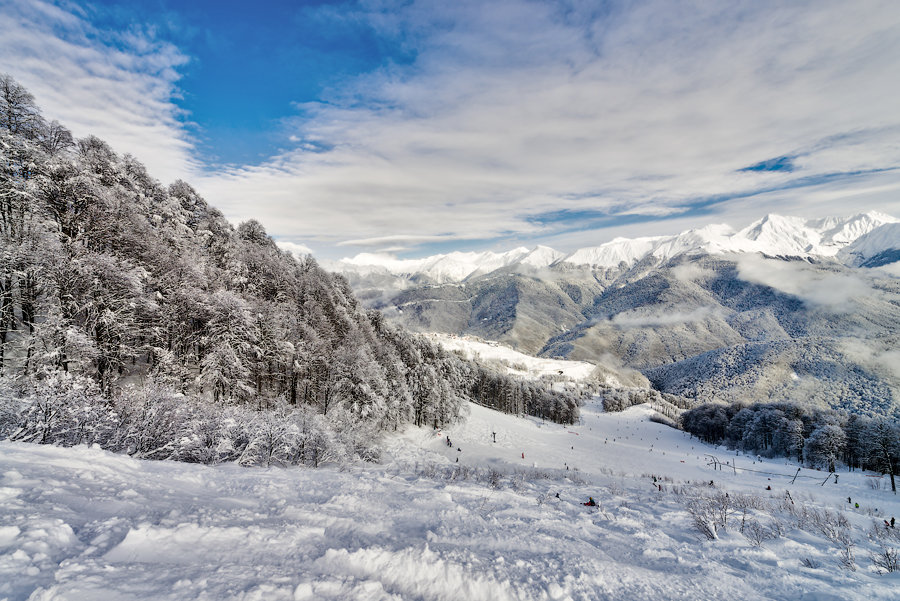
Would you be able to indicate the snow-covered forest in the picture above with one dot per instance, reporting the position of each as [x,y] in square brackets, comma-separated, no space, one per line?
[822,438]
[135,316]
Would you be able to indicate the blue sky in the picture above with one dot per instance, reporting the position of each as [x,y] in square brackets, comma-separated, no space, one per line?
[248,65]
[411,126]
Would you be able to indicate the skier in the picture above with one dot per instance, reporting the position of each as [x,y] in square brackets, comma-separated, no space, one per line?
[591,502]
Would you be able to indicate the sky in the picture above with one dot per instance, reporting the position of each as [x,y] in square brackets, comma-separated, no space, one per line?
[415,127]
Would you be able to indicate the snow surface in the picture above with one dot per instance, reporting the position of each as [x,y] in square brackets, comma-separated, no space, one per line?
[81,523]
[773,235]
[534,367]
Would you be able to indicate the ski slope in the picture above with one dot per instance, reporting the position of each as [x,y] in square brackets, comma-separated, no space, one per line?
[517,363]
[474,521]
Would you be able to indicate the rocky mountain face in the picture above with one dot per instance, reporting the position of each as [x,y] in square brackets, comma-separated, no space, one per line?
[784,309]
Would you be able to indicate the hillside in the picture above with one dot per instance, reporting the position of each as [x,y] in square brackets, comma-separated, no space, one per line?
[125,303]
[78,523]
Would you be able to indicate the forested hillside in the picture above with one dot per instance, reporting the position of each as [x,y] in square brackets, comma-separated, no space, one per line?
[108,276]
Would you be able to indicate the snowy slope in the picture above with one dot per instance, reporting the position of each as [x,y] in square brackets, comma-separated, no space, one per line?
[516,363]
[85,524]
[519,363]
[882,242]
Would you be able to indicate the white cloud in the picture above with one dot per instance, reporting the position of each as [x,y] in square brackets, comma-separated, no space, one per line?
[876,356]
[650,317]
[892,269]
[836,292]
[513,109]
[296,249]
[691,272]
[119,87]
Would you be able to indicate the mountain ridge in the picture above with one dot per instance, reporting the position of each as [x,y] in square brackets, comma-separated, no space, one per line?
[773,235]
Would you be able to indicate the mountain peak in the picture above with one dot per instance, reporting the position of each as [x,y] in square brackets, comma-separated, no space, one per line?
[774,234]
[877,247]
[542,256]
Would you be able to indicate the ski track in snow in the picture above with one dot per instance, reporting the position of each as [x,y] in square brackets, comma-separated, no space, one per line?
[82,523]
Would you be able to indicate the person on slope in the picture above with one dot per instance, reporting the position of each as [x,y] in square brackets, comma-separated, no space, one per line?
[591,502]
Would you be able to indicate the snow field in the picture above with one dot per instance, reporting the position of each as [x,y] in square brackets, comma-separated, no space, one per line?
[82,523]
[535,367]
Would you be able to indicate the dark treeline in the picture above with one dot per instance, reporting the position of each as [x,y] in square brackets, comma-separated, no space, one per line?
[108,275]
[821,438]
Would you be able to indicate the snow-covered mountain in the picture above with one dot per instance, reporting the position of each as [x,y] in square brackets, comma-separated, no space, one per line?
[786,308]
[773,235]
[878,247]
[451,267]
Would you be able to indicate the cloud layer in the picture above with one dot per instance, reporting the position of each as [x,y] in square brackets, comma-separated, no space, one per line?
[527,118]
[119,86]
[835,292]
[528,121]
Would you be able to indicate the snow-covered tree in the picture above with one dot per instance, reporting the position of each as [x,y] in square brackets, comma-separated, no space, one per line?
[825,445]
[882,448]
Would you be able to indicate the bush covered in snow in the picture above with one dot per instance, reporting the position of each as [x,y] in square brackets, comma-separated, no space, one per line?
[156,422]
